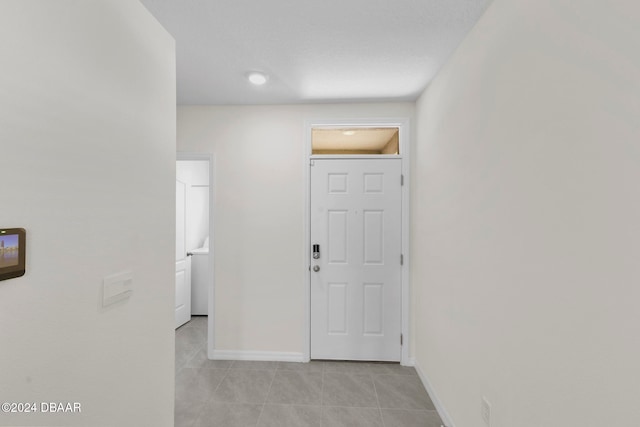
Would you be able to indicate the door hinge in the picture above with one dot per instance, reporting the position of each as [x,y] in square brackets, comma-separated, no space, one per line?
[401,180]
[401,339]
[401,259]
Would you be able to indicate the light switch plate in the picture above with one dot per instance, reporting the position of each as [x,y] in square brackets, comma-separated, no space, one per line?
[117,287]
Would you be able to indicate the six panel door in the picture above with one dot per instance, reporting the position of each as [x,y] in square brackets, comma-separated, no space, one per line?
[356,290]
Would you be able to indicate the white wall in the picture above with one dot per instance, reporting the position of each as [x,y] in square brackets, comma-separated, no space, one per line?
[195,173]
[259,218]
[526,213]
[87,95]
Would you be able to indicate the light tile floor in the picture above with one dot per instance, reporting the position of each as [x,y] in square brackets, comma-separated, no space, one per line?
[225,393]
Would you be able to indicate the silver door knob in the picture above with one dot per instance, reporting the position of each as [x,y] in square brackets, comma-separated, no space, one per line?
[316,268]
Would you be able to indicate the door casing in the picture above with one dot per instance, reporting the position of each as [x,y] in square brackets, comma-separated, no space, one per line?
[403,124]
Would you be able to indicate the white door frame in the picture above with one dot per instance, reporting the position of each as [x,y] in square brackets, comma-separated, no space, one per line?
[404,142]
[211,303]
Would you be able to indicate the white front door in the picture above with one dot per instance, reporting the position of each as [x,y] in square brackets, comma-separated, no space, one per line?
[356,281]
[183,262]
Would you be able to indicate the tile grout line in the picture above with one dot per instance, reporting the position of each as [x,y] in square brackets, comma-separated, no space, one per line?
[324,369]
[212,397]
[211,401]
[188,327]
[375,390]
[193,355]
[266,398]
[195,350]
[202,410]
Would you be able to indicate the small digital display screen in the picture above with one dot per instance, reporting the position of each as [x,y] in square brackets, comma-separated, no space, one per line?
[9,250]
[12,252]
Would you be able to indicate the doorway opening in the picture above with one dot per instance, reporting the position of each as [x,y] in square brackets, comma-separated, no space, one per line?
[195,171]
[369,160]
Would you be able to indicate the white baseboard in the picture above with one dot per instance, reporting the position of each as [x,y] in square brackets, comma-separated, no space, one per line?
[444,415]
[271,356]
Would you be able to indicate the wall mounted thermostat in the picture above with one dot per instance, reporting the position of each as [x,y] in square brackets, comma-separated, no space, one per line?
[13,250]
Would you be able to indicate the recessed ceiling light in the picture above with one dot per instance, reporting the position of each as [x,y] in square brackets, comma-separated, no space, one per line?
[257,78]
[349,132]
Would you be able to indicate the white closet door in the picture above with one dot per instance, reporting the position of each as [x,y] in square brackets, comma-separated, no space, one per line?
[183,262]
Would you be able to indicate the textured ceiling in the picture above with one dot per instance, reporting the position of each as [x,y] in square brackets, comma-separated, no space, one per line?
[312,50]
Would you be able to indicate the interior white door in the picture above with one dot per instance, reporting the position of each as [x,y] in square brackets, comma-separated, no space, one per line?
[356,281]
[183,262]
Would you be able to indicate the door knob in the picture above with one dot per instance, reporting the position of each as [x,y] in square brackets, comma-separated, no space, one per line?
[316,268]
